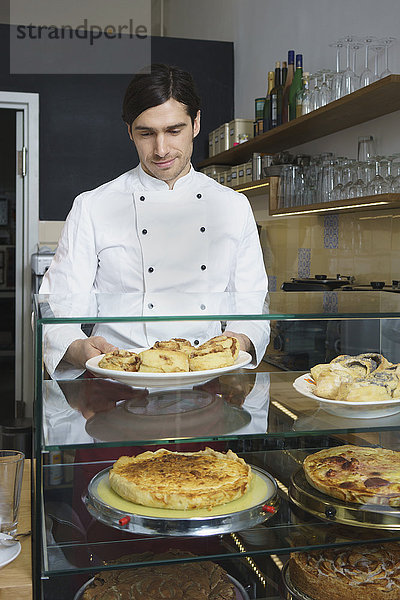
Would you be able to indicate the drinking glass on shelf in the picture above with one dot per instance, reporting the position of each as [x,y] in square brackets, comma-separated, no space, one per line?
[350,80]
[358,188]
[386,42]
[395,185]
[337,76]
[365,148]
[367,76]
[378,48]
[305,95]
[356,45]
[327,180]
[314,96]
[324,89]
[348,177]
[377,185]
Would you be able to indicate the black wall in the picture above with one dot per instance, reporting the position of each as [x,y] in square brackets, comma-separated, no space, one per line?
[83,141]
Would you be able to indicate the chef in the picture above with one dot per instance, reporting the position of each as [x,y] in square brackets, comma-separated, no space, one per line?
[161,239]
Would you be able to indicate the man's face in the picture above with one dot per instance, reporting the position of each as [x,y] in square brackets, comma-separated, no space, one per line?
[163,136]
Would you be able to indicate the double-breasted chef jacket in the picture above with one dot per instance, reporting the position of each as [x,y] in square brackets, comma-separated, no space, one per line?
[135,236]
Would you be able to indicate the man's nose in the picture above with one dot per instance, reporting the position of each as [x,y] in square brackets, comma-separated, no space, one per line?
[161,147]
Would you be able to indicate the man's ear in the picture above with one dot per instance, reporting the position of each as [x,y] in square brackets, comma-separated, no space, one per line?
[129,131]
[196,124]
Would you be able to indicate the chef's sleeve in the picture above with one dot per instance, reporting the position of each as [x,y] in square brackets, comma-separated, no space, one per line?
[69,283]
[250,283]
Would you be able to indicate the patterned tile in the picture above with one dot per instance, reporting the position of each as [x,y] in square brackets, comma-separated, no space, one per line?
[330,302]
[304,262]
[331,231]
[272,283]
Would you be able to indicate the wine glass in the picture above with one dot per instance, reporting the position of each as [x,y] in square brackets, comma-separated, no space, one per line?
[324,90]
[350,80]
[377,185]
[314,96]
[358,188]
[337,76]
[388,41]
[356,45]
[367,76]
[377,48]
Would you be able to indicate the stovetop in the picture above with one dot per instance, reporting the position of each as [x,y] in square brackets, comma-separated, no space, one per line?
[342,282]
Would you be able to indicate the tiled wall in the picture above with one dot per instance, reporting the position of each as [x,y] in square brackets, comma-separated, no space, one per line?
[364,244]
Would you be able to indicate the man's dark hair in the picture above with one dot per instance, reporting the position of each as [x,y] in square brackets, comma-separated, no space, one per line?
[152,89]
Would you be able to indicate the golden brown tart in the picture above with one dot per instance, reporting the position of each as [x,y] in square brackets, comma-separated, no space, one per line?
[365,572]
[181,480]
[356,474]
[200,580]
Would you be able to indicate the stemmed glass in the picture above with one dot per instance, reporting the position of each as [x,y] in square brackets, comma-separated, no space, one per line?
[356,45]
[314,96]
[367,76]
[358,188]
[387,42]
[377,185]
[377,48]
[350,80]
[337,76]
[324,90]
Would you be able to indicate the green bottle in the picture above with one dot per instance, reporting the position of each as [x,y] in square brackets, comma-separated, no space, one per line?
[296,86]
[267,103]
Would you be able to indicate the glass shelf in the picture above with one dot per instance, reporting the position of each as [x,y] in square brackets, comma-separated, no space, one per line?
[81,546]
[242,405]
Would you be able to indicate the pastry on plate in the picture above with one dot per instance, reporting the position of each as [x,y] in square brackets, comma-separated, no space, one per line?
[161,360]
[120,360]
[176,344]
[218,352]
[359,474]
[361,572]
[181,480]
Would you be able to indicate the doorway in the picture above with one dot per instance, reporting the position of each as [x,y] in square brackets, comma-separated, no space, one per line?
[19,214]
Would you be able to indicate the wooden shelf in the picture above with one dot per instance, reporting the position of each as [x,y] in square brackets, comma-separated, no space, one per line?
[375,100]
[378,202]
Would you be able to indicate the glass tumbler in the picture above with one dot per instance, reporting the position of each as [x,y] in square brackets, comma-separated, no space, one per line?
[366,147]
[11,470]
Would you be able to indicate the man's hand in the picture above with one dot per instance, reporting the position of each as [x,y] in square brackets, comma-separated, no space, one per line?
[244,342]
[79,351]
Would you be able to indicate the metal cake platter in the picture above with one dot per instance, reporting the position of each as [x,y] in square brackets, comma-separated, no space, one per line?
[257,505]
[332,509]
[240,592]
[290,590]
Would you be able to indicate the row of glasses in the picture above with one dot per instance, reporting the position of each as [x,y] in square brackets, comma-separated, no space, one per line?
[327,86]
[324,177]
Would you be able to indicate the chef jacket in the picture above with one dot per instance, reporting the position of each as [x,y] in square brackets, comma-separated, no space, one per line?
[154,246]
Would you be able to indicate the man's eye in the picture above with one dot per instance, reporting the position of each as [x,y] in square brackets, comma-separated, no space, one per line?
[174,131]
[145,134]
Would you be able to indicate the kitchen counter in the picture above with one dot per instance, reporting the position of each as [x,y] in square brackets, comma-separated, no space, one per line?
[16,577]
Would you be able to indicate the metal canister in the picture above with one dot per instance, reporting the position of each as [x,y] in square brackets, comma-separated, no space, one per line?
[257,166]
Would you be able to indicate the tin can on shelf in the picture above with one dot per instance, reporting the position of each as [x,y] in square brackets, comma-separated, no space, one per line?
[241,174]
[211,144]
[248,172]
[234,176]
[257,166]
[216,141]
[224,137]
[240,130]
[222,177]
[259,108]
[228,178]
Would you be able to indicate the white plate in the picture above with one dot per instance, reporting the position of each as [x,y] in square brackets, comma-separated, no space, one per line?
[163,380]
[9,553]
[360,410]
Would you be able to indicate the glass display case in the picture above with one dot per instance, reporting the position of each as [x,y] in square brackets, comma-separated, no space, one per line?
[268,415]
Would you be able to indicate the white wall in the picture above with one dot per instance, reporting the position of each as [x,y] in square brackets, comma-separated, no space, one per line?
[200,19]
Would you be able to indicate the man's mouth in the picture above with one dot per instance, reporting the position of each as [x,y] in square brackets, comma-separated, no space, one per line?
[164,164]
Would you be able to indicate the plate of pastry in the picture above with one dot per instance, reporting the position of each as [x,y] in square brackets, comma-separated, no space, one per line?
[171,363]
[362,386]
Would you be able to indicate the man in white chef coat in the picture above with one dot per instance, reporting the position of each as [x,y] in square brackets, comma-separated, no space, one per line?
[162,230]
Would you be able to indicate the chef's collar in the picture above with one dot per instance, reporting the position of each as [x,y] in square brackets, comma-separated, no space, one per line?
[152,183]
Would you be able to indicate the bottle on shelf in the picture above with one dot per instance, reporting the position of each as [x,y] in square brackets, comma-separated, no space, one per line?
[284,72]
[286,87]
[303,97]
[276,98]
[267,103]
[296,86]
